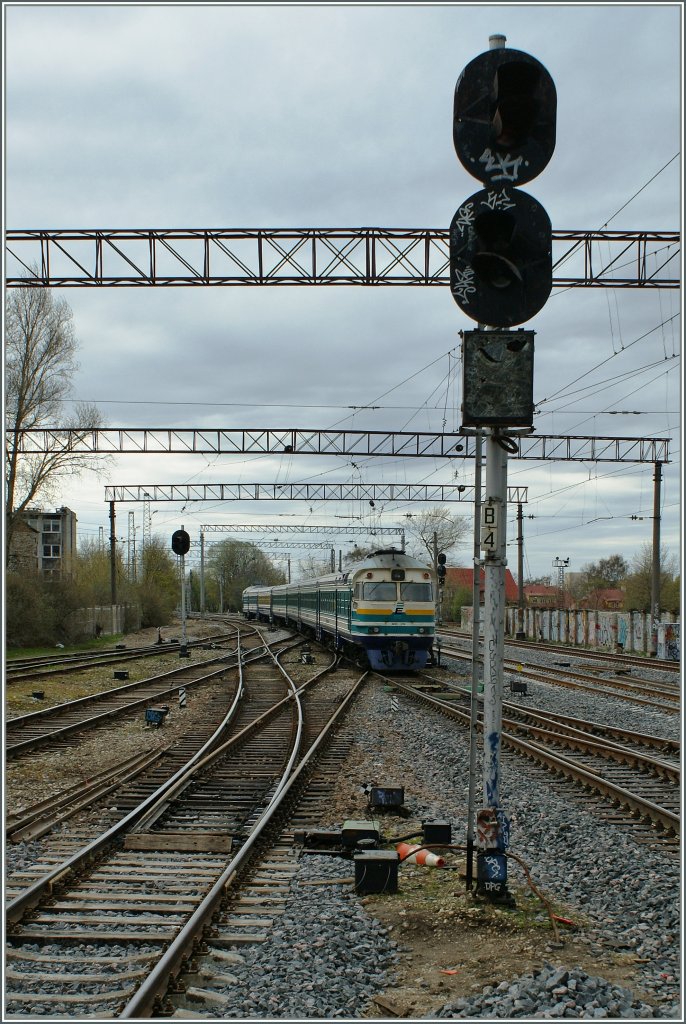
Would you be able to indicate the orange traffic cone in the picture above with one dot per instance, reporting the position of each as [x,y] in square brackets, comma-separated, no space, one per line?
[408,853]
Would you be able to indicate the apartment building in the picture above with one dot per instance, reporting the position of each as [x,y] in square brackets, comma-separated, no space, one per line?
[46,543]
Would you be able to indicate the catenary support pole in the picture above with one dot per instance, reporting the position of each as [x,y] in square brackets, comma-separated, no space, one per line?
[520,634]
[113,556]
[184,645]
[202,573]
[655,574]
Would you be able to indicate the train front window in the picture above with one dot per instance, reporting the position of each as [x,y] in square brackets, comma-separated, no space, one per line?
[416,592]
[379,591]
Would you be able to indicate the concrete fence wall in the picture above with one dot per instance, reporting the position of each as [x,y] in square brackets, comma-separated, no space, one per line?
[588,628]
[104,620]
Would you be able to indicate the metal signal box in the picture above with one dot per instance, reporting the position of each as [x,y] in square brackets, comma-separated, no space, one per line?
[498,378]
[156,716]
[353,831]
[376,871]
[386,796]
[437,833]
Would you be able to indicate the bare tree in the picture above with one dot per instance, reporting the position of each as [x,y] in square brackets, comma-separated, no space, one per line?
[235,565]
[310,567]
[450,530]
[40,362]
[639,582]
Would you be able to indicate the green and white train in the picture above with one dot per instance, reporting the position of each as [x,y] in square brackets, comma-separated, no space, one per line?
[384,608]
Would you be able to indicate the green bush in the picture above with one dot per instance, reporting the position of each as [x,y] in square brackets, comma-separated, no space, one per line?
[39,610]
[29,620]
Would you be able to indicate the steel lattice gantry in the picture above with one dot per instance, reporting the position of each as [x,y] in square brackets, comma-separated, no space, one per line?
[300,492]
[347,531]
[271,528]
[368,443]
[286,545]
[319,256]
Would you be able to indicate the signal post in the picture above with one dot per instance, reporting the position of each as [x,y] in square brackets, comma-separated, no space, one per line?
[181,544]
[500,276]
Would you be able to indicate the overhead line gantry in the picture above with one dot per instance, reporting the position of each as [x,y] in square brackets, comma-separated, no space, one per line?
[368,443]
[298,492]
[172,257]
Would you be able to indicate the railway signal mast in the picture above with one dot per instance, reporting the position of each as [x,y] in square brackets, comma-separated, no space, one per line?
[181,545]
[500,276]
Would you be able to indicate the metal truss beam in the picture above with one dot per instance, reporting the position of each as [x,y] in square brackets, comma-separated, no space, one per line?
[318,256]
[299,492]
[367,443]
[269,528]
[286,545]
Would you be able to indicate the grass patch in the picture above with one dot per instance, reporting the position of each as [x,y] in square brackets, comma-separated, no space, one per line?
[99,644]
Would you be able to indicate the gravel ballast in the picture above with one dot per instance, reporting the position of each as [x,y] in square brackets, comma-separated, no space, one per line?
[552,992]
[325,957]
[628,893]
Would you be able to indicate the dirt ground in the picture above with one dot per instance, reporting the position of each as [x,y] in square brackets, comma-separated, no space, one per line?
[452,943]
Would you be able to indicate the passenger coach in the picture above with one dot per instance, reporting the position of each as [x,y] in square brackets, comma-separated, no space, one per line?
[383,608]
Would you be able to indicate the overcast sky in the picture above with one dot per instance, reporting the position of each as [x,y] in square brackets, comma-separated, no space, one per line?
[211,116]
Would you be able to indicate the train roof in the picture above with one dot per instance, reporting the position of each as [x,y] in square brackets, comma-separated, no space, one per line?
[388,558]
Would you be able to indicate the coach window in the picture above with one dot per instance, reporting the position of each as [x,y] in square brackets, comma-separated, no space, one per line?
[380,591]
[416,592]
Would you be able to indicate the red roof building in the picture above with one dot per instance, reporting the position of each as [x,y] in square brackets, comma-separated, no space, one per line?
[610,599]
[460,578]
[540,595]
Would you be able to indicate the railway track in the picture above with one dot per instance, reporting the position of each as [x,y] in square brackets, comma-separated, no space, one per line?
[669,668]
[147,891]
[142,773]
[194,978]
[662,696]
[645,788]
[62,723]
[34,669]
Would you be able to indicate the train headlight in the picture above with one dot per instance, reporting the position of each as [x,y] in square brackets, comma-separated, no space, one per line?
[422,629]
[373,629]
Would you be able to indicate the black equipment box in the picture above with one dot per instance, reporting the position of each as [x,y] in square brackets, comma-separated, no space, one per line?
[437,833]
[517,687]
[386,796]
[353,831]
[157,715]
[376,872]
